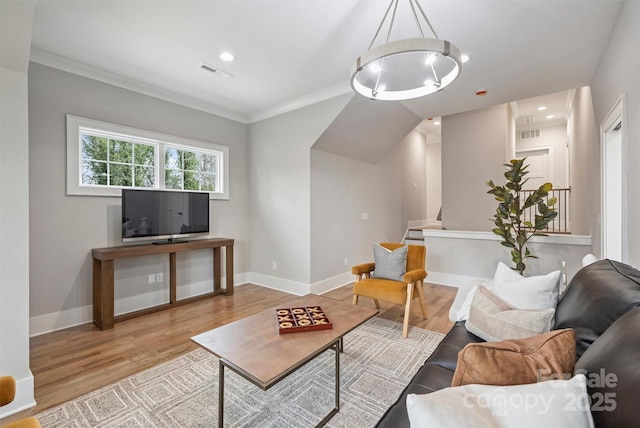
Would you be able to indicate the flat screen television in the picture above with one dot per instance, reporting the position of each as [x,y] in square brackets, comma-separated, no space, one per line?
[163,215]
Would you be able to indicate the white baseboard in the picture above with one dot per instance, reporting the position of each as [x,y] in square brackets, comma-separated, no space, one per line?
[449,279]
[329,284]
[60,320]
[24,398]
[55,321]
[72,317]
[281,284]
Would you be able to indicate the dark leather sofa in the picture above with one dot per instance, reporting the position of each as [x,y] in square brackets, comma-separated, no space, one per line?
[602,304]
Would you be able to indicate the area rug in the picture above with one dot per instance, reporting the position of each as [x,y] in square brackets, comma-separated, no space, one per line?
[375,367]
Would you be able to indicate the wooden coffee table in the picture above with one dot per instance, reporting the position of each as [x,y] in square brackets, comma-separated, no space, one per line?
[253,348]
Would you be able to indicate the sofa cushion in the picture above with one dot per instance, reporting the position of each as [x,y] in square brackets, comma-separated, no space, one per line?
[533,292]
[517,361]
[612,367]
[429,378]
[446,354]
[554,403]
[493,319]
[435,374]
[390,264]
[597,296]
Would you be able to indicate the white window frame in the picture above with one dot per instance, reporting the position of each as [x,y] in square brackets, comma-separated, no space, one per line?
[74,156]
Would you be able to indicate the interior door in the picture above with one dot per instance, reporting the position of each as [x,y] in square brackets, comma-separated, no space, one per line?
[613,167]
[540,170]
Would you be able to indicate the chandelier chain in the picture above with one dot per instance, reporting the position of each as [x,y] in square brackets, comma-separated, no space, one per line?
[424,15]
[395,3]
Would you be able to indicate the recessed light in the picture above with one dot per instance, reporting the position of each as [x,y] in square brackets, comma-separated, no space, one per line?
[542,108]
[465,58]
[436,123]
[227,56]
[550,116]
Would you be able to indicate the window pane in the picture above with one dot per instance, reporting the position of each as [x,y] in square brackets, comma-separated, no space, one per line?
[173,179]
[120,151]
[94,173]
[144,176]
[120,175]
[143,154]
[208,182]
[190,161]
[191,181]
[94,147]
[207,163]
[172,158]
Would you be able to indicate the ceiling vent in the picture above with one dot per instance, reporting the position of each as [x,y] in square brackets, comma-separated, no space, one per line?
[529,134]
[215,70]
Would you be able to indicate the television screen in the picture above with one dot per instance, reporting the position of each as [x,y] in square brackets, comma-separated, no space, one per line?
[161,214]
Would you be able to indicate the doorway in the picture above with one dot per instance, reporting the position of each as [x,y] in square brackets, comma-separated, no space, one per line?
[614,184]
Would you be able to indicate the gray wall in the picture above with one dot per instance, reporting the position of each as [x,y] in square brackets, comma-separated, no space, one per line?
[280,162]
[584,153]
[64,228]
[474,147]
[618,73]
[342,189]
[413,166]
[434,181]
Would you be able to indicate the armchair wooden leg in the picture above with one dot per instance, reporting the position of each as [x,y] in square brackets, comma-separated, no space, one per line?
[355,299]
[377,303]
[423,304]
[407,311]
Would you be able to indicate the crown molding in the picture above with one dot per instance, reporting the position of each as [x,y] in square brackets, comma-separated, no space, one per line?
[65,64]
[307,100]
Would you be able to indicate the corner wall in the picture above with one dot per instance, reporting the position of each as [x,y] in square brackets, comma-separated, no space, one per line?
[16,19]
[474,147]
[343,189]
[280,193]
[584,153]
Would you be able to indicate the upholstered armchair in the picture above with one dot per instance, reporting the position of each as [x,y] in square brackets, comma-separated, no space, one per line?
[7,394]
[402,291]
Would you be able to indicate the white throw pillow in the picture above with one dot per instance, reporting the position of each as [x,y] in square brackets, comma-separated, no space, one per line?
[550,404]
[461,305]
[588,259]
[531,293]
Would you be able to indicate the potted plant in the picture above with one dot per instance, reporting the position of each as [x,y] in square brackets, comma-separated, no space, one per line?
[509,219]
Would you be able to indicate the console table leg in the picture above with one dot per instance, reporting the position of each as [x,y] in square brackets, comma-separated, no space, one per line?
[217,266]
[229,269]
[103,294]
[172,278]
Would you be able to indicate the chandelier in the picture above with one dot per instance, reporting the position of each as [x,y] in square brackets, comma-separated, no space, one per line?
[407,68]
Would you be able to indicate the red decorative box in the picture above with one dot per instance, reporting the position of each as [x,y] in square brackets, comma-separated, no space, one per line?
[307,318]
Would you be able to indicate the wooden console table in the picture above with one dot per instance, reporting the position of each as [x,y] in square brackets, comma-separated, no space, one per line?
[103,263]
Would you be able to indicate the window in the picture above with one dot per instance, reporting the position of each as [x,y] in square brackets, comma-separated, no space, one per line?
[102,158]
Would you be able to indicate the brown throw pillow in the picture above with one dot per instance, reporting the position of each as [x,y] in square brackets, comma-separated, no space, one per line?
[545,356]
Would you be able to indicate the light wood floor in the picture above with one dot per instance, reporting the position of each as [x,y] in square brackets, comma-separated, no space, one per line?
[75,361]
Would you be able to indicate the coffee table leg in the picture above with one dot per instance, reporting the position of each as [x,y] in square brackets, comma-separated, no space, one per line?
[221,395]
[338,351]
[336,408]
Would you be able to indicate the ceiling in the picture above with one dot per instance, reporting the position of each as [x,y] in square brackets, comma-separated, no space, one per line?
[292,53]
